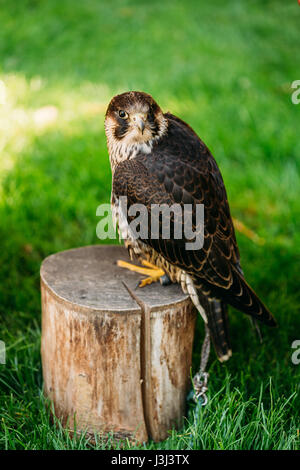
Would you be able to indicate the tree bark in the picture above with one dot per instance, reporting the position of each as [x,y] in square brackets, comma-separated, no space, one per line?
[116,358]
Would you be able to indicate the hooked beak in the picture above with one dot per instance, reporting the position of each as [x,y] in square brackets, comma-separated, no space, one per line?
[139,121]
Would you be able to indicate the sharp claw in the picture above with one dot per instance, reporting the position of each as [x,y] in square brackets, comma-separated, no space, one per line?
[152,272]
[145,282]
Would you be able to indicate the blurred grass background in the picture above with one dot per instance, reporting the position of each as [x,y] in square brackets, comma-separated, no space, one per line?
[224,67]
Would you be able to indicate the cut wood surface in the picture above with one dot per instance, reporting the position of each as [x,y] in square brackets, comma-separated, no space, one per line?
[116,358]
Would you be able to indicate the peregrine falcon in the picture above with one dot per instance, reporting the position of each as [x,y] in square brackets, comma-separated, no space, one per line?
[156,158]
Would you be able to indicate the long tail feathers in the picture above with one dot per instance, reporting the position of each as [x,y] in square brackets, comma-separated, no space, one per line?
[242,297]
[217,319]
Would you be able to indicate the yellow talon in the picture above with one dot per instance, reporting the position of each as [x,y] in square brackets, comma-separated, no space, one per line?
[153,272]
[150,265]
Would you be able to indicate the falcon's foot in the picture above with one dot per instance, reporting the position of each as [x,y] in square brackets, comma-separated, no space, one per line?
[152,272]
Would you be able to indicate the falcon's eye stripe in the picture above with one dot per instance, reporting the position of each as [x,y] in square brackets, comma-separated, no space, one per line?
[123,114]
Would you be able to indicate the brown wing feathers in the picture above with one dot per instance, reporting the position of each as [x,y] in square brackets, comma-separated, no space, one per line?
[181,169]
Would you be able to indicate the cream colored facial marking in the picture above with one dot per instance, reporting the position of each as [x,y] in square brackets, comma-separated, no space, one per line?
[138,138]
[139,120]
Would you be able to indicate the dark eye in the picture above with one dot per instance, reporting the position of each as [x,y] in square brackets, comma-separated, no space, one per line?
[123,114]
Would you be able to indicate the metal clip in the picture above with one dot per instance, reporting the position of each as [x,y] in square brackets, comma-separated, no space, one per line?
[200,385]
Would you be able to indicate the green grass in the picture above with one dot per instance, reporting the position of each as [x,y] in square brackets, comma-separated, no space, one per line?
[226,68]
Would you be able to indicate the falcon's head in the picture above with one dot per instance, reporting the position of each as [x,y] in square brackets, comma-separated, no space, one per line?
[133,118]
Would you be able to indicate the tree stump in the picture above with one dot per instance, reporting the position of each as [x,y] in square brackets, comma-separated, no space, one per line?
[116,358]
